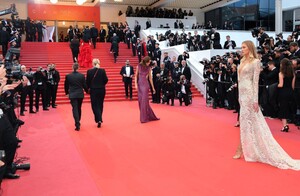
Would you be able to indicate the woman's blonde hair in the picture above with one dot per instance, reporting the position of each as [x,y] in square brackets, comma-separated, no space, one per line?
[252,50]
[96,62]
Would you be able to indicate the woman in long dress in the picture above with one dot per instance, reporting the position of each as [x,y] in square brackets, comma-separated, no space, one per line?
[286,92]
[85,55]
[143,75]
[45,33]
[257,142]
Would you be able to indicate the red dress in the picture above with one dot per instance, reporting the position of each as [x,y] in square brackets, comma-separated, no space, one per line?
[85,55]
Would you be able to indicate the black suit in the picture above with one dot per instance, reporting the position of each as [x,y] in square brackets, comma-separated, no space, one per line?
[74,86]
[96,80]
[187,72]
[4,38]
[40,79]
[227,45]
[102,35]
[127,79]
[94,35]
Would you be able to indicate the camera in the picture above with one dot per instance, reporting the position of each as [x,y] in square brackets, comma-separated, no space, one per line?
[205,80]
[255,32]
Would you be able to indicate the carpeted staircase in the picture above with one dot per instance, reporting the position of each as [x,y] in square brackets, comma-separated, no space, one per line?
[35,54]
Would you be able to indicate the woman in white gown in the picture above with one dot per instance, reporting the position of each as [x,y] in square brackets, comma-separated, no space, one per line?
[45,33]
[257,143]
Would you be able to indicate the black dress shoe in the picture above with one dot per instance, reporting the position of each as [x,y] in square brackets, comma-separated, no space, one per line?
[20,122]
[46,109]
[99,124]
[32,112]
[19,141]
[22,114]
[77,128]
[11,176]
[53,106]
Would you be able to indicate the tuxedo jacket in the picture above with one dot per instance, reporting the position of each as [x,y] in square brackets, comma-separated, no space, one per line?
[123,71]
[226,44]
[271,77]
[187,72]
[75,85]
[96,78]
[102,33]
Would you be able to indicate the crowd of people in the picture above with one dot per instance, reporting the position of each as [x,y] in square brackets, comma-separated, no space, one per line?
[157,12]
[279,60]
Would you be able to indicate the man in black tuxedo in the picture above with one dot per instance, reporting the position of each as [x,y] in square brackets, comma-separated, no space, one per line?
[40,79]
[271,79]
[157,54]
[86,34]
[133,43]
[39,27]
[185,70]
[155,74]
[127,74]
[94,35]
[102,34]
[294,51]
[229,44]
[74,86]
[96,80]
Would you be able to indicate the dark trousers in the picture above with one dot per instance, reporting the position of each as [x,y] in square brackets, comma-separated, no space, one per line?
[184,98]
[128,84]
[4,49]
[94,39]
[53,91]
[39,93]
[133,49]
[128,43]
[75,55]
[9,144]
[97,98]
[40,36]
[76,109]
[27,91]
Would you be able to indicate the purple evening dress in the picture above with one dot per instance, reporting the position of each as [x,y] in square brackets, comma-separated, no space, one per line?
[146,113]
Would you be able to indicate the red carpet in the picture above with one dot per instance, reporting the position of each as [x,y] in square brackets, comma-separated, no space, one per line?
[188,152]
[35,54]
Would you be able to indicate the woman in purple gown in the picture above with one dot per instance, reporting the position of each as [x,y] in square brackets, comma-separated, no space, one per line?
[143,74]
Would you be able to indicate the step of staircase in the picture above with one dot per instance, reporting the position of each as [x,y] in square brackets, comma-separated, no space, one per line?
[36,54]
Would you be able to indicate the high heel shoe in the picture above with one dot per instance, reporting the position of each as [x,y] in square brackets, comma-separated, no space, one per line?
[237,155]
[285,129]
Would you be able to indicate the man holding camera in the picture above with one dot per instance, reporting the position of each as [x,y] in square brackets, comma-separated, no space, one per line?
[26,90]
[8,126]
[184,90]
[261,37]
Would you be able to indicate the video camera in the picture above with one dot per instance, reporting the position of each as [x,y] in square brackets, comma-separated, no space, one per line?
[13,70]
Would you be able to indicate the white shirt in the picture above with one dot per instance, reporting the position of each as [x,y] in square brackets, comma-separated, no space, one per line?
[127,71]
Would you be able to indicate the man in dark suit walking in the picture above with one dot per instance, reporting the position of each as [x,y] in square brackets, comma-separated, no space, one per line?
[127,74]
[102,34]
[96,80]
[94,35]
[74,45]
[74,86]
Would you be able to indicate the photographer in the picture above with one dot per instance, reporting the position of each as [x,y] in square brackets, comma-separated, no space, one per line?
[262,36]
[27,81]
[168,91]
[270,78]
[8,125]
[161,77]
[184,90]
[294,50]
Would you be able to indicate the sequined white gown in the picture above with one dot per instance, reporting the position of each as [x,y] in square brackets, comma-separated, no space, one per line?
[258,144]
